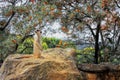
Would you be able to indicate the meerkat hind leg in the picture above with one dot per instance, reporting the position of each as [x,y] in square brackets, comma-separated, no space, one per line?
[36,55]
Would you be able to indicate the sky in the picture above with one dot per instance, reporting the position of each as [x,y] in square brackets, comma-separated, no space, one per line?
[55,31]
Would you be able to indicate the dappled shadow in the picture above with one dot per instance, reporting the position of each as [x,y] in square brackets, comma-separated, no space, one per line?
[115,75]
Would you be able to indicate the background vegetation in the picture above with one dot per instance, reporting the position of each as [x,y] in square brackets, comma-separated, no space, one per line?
[101,18]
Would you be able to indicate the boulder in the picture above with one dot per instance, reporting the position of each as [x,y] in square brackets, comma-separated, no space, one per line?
[102,71]
[55,64]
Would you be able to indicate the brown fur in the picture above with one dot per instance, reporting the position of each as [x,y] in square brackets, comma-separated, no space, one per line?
[37,46]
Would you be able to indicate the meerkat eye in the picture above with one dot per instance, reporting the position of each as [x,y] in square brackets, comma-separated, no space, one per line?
[40,31]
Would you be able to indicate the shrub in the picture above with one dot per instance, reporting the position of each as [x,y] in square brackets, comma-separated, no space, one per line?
[26,47]
[44,45]
[86,55]
[51,42]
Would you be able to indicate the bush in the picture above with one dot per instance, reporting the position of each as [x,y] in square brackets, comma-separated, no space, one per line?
[26,47]
[44,45]
[51,42]
[86,55]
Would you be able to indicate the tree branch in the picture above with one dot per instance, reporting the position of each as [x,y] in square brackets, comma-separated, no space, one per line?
[22,40]
[103,42]
[3,28]
[25,49]
[94,3]
[25,37]
[91,31]
[78,19]
[117,43]
[114,34]
[117,3]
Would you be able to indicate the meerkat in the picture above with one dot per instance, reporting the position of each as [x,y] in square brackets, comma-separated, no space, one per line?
[37,44]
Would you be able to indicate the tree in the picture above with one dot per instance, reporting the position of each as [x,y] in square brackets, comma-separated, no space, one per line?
[10,13]
[21,18]
[99,16]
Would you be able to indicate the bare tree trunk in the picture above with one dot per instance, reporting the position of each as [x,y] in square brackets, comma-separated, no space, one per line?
[96,56]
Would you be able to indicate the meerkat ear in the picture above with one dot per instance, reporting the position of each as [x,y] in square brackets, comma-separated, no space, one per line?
[40,31]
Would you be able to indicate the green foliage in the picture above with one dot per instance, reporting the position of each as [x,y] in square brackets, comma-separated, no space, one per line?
[115,60]
[28,16]
[6,45]
[85,55]
[51,42]
[26,47]
[44,45]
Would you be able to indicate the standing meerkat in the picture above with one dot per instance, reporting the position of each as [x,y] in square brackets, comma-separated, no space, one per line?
[37,44]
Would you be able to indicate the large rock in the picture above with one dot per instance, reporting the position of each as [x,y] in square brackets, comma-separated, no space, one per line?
[55,64]
[102,71]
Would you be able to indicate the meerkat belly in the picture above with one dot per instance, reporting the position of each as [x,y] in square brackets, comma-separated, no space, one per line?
[37,50]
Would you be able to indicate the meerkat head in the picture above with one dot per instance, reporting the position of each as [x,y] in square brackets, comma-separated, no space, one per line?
[37,35]
[38,32]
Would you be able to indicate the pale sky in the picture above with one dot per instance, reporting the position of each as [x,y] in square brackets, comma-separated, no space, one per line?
[55,27]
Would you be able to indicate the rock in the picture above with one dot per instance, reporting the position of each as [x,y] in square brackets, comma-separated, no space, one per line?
[55,64]
[102,71]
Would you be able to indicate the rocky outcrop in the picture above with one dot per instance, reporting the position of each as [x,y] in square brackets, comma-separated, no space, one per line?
[55,64]
[102,71]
